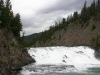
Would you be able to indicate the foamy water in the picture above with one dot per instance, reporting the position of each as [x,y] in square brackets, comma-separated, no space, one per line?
[60,59]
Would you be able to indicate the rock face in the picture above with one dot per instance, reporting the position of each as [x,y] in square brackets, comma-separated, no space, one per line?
[12,55]
[75,34]
[97,54]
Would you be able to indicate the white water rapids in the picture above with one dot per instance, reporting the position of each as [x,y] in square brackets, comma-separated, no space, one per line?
[60,59]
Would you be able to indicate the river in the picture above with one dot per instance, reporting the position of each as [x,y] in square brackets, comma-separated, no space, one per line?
[62,61]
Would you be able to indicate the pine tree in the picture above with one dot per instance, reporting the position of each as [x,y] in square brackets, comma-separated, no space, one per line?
[17,25]
[83,12]
[1,11]
[8,10]
[92,9]
[75,15]
[98,7]
[6,14]
[1,6]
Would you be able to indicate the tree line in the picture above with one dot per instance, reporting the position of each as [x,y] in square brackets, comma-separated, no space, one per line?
[83,17]
[8,19]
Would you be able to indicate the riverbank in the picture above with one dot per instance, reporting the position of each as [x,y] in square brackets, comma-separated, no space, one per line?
[12,55]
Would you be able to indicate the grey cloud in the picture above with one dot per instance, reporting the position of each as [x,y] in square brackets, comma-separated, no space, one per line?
[46,17]
[68,5]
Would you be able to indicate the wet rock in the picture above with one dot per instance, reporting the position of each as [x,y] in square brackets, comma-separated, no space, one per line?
[97,54]
[33,55]
[80,52]
[16,68]
[65,56]
[71,66]
[63,61]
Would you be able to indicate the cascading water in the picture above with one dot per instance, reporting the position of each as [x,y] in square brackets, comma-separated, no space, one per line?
[60,59]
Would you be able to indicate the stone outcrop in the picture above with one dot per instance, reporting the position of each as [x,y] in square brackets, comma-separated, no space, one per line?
[12,55]
[97,54]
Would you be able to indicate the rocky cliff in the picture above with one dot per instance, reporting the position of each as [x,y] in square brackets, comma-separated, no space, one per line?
[12,55]
[75,34]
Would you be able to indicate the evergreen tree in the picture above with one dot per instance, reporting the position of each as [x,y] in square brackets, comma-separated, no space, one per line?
[1,6]
[63,21]
[98,6]
[83,12]
[6,13]
[75,15]
[92,9]
[9,21]
[16,25]
[8,10]
[1,9]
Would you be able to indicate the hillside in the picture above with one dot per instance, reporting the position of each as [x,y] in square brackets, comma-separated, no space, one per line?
[74,35]
[30,37]
[77,29]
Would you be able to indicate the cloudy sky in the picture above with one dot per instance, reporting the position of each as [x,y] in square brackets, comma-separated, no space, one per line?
[38,15]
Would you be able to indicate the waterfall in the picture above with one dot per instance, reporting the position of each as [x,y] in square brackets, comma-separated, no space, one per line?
[77,56]
[60,59]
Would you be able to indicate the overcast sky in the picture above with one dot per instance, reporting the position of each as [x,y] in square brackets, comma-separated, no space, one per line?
[38,15]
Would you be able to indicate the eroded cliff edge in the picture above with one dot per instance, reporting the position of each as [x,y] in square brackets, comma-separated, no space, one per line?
[12,55]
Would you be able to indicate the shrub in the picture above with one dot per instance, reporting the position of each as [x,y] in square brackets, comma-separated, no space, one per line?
[65,29]
[93,27]
[4,45]
[59,36]
[87,23]
[52,43]
[96,41]
[93,40]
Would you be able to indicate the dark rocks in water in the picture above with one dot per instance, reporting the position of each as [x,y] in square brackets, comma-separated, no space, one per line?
[96,50]
[97,54]
[70,66]
[65,56]
[80,52]
[63,61]
[16,68]
[33,55]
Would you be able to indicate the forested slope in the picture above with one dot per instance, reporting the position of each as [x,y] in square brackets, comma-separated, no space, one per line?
[77,29]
